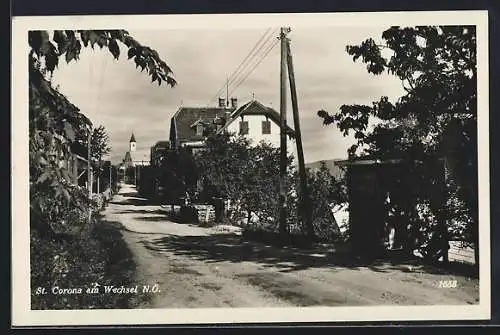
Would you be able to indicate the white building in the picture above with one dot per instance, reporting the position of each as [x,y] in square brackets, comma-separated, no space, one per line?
[260,124]
[253,120]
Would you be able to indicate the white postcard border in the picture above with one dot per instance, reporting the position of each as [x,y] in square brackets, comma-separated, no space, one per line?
[22,315]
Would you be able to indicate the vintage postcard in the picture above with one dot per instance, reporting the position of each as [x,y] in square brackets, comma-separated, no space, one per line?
[194,169]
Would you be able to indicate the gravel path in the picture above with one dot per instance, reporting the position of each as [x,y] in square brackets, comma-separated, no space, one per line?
[208,267]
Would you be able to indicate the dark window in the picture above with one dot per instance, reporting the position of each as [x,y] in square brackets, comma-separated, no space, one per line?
[266,127]
[243,127]
[199,129]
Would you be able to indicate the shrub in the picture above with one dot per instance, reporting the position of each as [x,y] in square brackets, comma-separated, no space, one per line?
[65,263]
[78,258]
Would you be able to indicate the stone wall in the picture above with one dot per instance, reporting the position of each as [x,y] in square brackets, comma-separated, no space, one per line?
[206,214]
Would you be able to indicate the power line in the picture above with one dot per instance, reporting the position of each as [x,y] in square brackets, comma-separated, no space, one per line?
[248,65]
[250,53]
[251,58]
[233,75]
[255,65]
[271,47]
[253,52]
[265,45]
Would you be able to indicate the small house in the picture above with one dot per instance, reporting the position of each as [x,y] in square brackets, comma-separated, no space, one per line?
[191,125]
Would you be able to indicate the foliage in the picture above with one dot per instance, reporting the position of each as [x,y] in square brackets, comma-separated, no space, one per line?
[178,174]
[99,143]
[437,68]
[50,46]
[225,163]
[436,116]
[59,209]
[55,123]
[248,174]
[88,257]
[325,192]
[234,168]
[324,185]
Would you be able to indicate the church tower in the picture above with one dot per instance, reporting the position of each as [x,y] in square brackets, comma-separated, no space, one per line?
[132,143]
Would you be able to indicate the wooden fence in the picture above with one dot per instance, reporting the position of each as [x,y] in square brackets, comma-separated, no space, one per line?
[460,254]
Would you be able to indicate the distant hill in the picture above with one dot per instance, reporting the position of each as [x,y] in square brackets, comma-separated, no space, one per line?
[334,170]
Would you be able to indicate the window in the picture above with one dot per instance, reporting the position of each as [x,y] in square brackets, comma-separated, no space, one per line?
[199,129]
[266,127]
[243,127]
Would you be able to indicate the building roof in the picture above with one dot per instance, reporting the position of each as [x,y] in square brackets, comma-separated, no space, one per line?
[162,144]
[132,138]
[256,108]
[128,157]
[181,124]
[182,127]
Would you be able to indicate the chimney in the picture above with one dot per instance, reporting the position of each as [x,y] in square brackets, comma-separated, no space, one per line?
[234,102]
[222,103]
[227,116]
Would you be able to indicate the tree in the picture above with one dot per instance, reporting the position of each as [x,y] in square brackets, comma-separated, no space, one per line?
[437,68]
[246,173]
[224,162]
[99,143]
[437,115]
[325,191]
[48,47]
[62,245]
[178,174]
[55,123]
[99,146]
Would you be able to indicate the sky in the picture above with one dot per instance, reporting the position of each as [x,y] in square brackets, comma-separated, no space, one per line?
[113,93]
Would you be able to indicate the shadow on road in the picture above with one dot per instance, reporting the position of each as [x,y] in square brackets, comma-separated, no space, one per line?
[152,218]
[142,211]
[135,201]
[129,195]
[233,248]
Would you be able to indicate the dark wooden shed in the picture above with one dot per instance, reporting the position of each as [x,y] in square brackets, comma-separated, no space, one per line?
[371,181]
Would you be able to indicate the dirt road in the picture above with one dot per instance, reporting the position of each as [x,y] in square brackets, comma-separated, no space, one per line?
[207,267]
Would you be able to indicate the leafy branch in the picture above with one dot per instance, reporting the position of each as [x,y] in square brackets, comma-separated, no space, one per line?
[68,44]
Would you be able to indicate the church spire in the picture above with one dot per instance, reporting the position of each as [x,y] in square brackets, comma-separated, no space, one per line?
[132,143]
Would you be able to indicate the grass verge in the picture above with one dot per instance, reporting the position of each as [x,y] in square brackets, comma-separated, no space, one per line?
[70,272]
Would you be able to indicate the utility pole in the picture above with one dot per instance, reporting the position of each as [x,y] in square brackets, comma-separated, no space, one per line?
[110,176]
[227,92]
[305,206]
[283,139]
[99,176]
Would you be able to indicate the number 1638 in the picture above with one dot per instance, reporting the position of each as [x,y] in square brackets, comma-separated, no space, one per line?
[448,283]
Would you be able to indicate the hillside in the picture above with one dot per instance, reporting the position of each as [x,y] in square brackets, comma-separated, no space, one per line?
[334,170]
